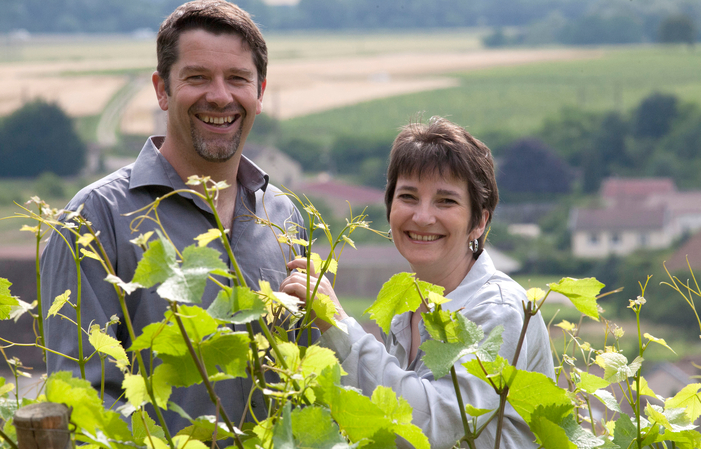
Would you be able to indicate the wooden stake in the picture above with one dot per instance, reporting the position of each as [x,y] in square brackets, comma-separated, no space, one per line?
[43,426]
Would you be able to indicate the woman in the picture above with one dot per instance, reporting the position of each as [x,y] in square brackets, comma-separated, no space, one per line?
[440,198]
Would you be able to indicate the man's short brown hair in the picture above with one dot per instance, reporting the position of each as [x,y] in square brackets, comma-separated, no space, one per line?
[214,16]
[446,149]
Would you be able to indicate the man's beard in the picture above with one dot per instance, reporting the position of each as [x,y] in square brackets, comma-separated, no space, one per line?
[219,150]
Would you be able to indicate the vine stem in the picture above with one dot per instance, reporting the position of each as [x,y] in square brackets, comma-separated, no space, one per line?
[37,263]
[505,392]
[8,439]
[132,336]
[461,404]
[203,373]
[78,312]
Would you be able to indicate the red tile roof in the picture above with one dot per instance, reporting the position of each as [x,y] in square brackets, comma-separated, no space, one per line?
[336,190]
[618,219]
[629,190]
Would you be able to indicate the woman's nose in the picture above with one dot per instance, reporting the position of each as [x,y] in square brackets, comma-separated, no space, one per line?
[424,216]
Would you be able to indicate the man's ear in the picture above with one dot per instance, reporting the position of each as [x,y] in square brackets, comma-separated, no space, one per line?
[159,85]
[259,106]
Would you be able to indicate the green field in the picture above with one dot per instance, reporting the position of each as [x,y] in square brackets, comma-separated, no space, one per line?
[516,100]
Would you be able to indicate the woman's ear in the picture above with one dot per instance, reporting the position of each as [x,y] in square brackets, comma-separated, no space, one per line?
[478,230]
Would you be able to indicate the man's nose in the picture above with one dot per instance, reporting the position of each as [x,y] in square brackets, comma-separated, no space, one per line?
[218,93]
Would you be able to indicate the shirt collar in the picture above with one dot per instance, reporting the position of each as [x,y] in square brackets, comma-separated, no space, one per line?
[482,271]
[151,168]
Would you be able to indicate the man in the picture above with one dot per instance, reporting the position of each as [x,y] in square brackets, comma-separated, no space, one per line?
[210,79]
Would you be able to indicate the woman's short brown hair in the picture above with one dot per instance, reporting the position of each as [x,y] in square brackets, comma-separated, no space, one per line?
[447,149]
[215,16]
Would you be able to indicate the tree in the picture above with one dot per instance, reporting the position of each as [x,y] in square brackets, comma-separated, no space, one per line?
[655,115]
[532,168]
[677,29]
[39,137]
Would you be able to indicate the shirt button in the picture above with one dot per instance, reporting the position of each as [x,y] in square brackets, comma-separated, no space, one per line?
[253,404]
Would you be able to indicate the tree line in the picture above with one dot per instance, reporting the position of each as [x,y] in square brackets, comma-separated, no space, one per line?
[574,21]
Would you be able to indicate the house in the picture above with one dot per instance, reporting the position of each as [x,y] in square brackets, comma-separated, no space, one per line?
[637,213]
[338,195]
[597,233]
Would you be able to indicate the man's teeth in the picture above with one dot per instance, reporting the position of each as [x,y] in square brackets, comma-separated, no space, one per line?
[216,120]
[423,238]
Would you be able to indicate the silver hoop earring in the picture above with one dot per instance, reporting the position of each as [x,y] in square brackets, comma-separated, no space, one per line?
[474,245]
[389,235]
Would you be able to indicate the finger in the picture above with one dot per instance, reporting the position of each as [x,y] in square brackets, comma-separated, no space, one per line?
[301,264]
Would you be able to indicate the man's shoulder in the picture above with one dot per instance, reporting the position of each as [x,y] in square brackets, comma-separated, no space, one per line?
[112,186]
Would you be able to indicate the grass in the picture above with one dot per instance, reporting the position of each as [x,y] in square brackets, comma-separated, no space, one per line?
[518,99]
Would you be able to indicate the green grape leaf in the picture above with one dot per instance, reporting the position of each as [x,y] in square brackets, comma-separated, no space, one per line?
[180,442]
[228,351]
[196,321]
[209,236]
[413,435]
[616,368]
[625,431]
[143,425]
[179,282]
[156,264]
[527,390]
[106,344]
[645,389]
[325,309]
[290,354]
[582,293]
[178,371]
[238,305]
[137,394]
[608,399]
[289,302]
[357,415]
[686,439]
[689,399]
[398,295]
[440,357]
[488,351]
[473,411]
[7,301]
[58,303]
[314,428]
[659,341]
[282,432]
[326,385]
[549,434]
[582,439]
[203,428]
[163,338]
[394,408]
[316,359]
[88,411]
[441,326]
[590,383]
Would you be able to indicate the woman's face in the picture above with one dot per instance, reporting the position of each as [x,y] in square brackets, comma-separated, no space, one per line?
[430,219]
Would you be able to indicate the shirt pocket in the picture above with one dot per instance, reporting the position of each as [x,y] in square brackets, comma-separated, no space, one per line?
[273,277]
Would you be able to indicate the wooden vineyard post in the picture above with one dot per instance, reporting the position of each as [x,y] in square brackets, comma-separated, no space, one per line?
[43,426]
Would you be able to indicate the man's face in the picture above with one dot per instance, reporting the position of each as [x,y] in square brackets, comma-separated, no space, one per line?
[213,97]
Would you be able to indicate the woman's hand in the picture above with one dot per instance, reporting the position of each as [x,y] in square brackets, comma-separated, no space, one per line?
[296,285]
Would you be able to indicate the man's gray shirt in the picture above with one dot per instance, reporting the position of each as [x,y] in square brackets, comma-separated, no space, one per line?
[184,216]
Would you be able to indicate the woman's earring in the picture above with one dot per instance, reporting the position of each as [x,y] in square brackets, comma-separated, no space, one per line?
[389,235]
[474,245]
